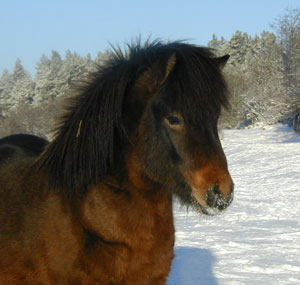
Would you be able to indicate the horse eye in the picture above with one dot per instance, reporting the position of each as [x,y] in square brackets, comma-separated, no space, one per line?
[172,120]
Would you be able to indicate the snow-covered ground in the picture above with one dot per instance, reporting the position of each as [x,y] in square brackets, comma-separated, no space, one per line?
[257,240]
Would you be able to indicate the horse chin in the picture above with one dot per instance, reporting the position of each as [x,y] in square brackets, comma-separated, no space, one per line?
[204,209]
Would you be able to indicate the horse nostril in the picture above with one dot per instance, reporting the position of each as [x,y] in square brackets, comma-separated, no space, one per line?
[215,199]
[213,195]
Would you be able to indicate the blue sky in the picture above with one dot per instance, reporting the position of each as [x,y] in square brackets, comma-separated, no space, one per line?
[30,28]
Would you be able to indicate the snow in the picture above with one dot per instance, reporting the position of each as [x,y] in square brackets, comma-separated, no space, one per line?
[257,239]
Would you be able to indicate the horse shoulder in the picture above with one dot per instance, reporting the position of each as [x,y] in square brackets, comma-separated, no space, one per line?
[136,230]
[37,239]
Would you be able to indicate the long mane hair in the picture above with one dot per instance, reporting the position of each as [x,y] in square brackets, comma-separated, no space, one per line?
[92,136]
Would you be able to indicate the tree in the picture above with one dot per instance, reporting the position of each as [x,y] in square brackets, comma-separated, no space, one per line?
[255,81]
[288,31]
[102,57]
[215,43]
[42,85]
[75,69]
[16,88]
[6,84]
[23,89]
[49,78]
[265,100]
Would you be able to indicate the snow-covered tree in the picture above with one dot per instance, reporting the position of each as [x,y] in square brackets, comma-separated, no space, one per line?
[102,57]
[288,30]
[215,43]
[6,85]
[75,69]
[263,75]
[49,78]
[265,101]
[41,79]
[16,88]
[23,89]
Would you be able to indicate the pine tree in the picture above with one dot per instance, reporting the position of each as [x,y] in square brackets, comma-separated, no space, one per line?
[16,88]
[6,85]
[41,79]
[49,78]
[75,69]
[102,57]
[216,44]
[23,89]
[288,30]
[265,100]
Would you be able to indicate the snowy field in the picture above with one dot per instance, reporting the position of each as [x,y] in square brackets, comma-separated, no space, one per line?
[257,240]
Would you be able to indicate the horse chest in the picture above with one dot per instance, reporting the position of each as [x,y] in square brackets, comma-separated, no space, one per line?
[134,239]
[152,249]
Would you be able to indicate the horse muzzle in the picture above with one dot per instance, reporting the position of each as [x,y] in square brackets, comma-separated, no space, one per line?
[212,191]
[213,202]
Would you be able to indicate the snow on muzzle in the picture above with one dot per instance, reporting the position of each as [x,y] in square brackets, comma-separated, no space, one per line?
[212,189]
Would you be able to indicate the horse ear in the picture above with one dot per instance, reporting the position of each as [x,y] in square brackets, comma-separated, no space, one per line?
[170,66]
[221,61]
[156,74]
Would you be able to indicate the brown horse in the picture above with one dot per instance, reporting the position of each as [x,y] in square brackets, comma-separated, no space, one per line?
[95,205]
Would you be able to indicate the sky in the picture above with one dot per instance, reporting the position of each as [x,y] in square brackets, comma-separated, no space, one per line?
[31,28]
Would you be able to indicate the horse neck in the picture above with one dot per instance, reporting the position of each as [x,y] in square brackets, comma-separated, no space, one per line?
[127,195]
[114,211]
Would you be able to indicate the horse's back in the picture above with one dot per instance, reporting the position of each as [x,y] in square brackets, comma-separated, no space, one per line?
[30,144]
[17,199]
[17,154]
[16,148]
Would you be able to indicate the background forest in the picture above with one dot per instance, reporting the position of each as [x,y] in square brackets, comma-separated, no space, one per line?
[263,76]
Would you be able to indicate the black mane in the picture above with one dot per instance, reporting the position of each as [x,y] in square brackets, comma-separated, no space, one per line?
[90,141]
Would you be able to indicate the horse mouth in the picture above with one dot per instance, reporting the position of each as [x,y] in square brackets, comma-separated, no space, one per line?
[201,204]
[204,209]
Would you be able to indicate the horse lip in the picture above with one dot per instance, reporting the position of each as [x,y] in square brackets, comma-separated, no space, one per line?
[204,209]
[201,205]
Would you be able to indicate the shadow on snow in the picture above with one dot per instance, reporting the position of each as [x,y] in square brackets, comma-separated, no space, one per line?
[191,266]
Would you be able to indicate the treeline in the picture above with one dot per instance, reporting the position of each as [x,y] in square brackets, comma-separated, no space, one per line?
[263,76]
[31,105]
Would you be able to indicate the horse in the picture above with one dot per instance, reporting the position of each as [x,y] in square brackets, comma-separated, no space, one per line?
[31,144]
[94,205]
